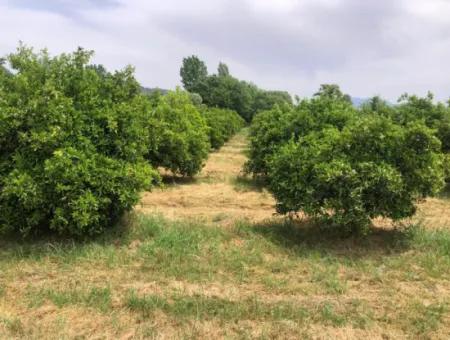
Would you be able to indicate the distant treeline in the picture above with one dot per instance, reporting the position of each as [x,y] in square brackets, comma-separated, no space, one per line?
[225,91]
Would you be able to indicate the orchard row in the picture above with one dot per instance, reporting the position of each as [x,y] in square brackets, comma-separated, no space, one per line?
[79,144]
[343,166]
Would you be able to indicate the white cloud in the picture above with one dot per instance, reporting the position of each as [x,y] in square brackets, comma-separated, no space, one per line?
[368,47]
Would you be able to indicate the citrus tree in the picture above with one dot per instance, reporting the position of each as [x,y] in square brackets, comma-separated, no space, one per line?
[222,124]
[371,168]
[73,138]
[181,143]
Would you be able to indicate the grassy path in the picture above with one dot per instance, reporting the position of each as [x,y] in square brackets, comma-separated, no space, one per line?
[218,195]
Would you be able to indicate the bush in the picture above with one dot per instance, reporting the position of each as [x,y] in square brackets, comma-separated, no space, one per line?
[181,144]
[268,132]
[372,168]
[412,108]
[272,129]
[222,125]
[72,141]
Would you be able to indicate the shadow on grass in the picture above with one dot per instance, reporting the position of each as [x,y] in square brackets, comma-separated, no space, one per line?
[174,180]
[177,180]
[14,245]
[305,238]
[298,238]
[248,183]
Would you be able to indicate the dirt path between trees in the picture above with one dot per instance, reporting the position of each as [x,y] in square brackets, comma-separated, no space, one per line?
[220,194]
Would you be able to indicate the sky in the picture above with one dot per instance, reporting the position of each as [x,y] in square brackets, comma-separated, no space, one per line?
[368,47]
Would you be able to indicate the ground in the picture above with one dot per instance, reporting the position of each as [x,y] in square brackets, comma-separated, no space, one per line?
[219,194]
[207,258]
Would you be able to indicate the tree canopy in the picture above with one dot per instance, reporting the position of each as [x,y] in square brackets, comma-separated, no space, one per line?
[225,91]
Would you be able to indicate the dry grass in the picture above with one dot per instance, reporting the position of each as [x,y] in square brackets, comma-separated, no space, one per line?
[220,194]
[260,277]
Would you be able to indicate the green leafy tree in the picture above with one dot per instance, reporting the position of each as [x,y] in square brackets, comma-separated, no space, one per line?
[332,92]
[273,128]
[181,144]
[229,93]
[266,100]
[412,108]
[225,91]
[378,106]
[196,99]
[72,144]
[222,70]
[372,168]
[222,123]
[193,74]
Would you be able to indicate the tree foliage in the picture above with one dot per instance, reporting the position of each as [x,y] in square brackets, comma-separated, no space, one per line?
[332,162]
[181,144]
[372,168]
[225,91]
[412,108]
[222,125]
[72,144]
[272,128]
[193,74]
[332,92]
[222,70]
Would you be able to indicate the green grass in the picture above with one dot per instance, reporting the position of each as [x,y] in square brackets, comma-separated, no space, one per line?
[94,297]
[426,318]
[272,279]
[201,307]
[246,183]
[207,308]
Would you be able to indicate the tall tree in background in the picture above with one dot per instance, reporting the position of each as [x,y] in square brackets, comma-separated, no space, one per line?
[332,91]
[225,91]
[193,73]
[222,70]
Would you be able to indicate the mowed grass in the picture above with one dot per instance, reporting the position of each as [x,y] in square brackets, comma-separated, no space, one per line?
[156,278]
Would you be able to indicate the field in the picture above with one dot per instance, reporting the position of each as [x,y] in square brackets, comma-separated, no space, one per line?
[207,258]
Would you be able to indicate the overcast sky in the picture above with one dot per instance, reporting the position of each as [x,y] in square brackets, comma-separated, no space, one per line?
[368,47]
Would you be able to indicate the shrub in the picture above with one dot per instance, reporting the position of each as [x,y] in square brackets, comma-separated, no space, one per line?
[222,125]
[72,141]
[412,108]
[373,167]
[268,132]
[181,144]
[272,129]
